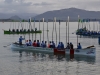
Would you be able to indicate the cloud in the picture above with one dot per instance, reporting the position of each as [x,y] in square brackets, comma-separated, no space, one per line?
[40,6]
[8,1]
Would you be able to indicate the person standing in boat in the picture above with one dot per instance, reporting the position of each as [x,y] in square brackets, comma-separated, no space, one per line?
[20,40]
[79,46]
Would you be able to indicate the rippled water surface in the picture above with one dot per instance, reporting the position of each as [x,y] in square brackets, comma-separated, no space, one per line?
[35,63]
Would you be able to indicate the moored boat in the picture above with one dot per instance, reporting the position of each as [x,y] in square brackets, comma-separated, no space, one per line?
[26,32]
[84,52]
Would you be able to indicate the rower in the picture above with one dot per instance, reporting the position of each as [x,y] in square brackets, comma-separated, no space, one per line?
[13,30]
[42,44]
[35,29]
[38,43]
[45,44]
[28,30]
[79,46]
[68,46]
[49,44]
[20,30]
[62,45]
[71,45]
[20,40]
[34,43]
[59,46]
[30,43]
[27,43]
[53,44]
[24,30]
[17,30]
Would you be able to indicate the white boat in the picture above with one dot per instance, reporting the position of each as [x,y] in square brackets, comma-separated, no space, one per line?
[85,51]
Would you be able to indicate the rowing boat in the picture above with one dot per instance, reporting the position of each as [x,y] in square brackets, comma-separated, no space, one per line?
[89,51]
[11,32]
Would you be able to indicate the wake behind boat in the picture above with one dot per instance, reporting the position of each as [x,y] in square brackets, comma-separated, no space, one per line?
[84,51]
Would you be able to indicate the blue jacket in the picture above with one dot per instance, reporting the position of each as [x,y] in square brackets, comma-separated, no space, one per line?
[62,45]
[59,46]
[79,47]
[38,44]
[42,44]
[53,44]
[30,43]
[20,39]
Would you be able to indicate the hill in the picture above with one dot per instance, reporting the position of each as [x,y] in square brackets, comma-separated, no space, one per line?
[71,12]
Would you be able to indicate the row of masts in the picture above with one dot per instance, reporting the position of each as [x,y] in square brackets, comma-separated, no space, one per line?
[54,30]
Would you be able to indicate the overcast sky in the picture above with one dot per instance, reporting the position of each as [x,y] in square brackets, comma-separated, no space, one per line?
[40,6]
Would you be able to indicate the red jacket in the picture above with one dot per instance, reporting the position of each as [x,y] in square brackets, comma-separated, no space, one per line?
[34,44]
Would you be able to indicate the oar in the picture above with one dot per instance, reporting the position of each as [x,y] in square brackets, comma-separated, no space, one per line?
[89,47]
[7,45]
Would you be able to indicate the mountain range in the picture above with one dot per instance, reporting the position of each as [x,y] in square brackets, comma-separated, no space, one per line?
[59,14]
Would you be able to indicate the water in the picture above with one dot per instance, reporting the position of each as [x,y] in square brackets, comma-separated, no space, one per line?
[32,63]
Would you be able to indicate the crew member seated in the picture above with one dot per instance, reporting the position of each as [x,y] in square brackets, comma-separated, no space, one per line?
[53,44]
[49,44]
[42,44]
[59,45]
[24,30]
[17,30]
[27,43]
[38,43]
[13,30]
[68,46]
[79,46]
[20,30]
[28,30]
[35,29]
[62,45]
[45,44]
[30,43]
[34,43]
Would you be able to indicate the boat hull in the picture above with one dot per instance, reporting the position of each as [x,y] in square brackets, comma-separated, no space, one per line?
[85,51]
[10,32]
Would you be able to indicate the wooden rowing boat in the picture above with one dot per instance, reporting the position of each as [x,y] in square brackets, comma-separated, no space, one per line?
[89,51]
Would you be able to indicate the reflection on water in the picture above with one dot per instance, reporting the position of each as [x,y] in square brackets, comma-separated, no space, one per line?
[35,63]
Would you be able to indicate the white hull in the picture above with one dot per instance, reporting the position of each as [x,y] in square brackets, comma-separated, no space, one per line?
[86,51]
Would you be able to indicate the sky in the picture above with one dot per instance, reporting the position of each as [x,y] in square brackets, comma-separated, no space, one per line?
[41,6]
